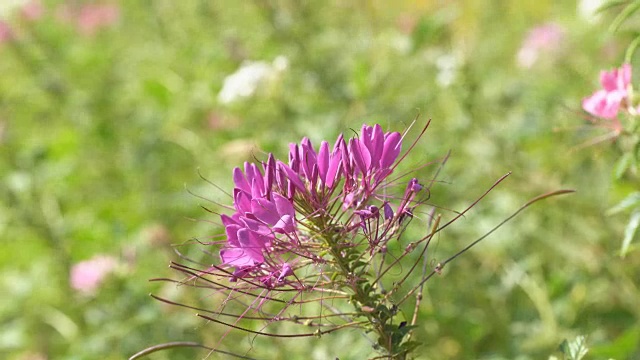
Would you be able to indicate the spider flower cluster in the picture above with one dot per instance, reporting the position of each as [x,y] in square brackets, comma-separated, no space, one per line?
[275,208]
[312,241]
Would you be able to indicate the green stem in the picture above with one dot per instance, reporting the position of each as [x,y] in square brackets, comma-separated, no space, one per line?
[360,296]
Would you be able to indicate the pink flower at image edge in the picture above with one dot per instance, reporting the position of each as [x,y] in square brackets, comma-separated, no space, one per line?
[32,10]
[86,276]
[606,102]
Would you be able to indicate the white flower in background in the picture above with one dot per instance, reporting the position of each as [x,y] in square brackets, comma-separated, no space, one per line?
[8,6]
[448,65]
[249,77]
[588,9]
[29,9]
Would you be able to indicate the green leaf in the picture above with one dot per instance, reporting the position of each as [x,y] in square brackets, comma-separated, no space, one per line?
[631,201]
[631,49]
[622,165]
[623,347]
[409,346]
[158,91]
[630,231]
[624,15]
[611,4]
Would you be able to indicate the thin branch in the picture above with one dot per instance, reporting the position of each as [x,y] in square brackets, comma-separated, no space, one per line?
[315,333]
[178,344]
[441,265]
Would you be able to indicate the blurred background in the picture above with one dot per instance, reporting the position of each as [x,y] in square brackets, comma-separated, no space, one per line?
[112,113]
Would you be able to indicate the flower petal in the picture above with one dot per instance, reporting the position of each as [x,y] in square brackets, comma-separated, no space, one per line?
[392,147]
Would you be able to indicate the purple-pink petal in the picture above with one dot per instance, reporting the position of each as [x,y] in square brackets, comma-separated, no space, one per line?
[241,201]
[252,172]
[334,170]
[256,226]
[366,136]
[344,153]
[286,271]
[228,220]
[603,104]
[270,173]
[283,205]
[360,155]
[294,157]
[232,234]
[382,174]
[248,240]
[616,79]
[308,156]
[285,225]
[240,181]
[388,211]
[265,211]
[323,161]
[237,257]
[376,146]
[257,189]
[293,177]
[392,147]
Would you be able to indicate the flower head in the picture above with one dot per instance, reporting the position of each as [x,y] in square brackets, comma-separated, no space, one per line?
[6,33]
[617,80]
[606,102]
[316,241]
[88,19]
[249,78]
[540,41]
[86,276]
[32,10]
[319,223]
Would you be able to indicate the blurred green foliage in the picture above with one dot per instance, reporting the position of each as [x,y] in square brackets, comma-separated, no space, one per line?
[103,136]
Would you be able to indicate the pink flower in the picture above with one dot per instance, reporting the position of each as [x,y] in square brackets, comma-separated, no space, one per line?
[616,79]
[318,229]
[245,248]
[33,10]
[94,17]
[264,226]
[605,103]
[89,18]
[86,276]
[6,34]
[374,152]
[541,40]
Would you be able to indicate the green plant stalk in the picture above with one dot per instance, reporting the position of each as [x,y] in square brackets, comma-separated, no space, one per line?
[365,304]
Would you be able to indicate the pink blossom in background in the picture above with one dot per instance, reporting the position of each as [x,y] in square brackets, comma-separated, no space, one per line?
[541,40]
[87,275]
[89,18]
[406,23]
[6,34]
[606,102]
[32,10]
[95,17]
